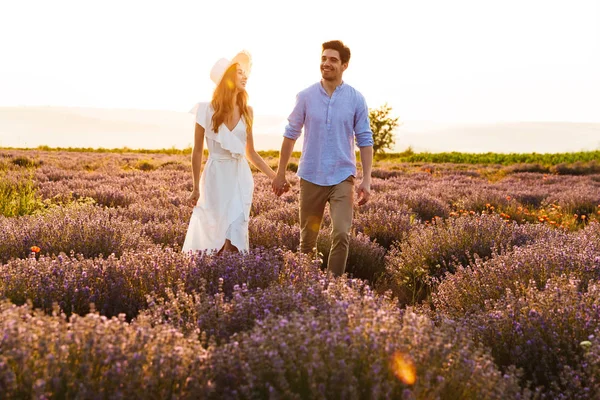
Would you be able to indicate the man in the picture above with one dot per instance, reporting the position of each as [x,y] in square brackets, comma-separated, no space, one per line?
[333,115]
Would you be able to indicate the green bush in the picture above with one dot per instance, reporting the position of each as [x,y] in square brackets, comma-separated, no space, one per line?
[18,195]
[415,265]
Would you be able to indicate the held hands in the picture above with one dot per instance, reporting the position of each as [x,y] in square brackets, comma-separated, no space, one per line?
[364,192]
[280,185]
[193,197]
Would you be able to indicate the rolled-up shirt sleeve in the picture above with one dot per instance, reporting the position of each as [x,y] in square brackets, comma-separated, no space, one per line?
[293,130]
[362,128]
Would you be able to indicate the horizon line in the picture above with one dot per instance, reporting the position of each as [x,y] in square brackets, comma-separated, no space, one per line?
[433,121]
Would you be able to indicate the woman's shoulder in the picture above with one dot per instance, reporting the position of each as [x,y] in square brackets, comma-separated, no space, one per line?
[202,107]
[203,112]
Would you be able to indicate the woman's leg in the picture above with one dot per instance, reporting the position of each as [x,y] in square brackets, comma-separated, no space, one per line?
[228,247]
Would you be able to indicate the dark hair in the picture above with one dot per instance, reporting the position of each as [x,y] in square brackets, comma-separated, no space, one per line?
[340,47]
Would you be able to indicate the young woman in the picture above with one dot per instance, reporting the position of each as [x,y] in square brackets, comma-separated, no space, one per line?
[222,194]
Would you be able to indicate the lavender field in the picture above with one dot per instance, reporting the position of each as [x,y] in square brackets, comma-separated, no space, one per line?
[464,282]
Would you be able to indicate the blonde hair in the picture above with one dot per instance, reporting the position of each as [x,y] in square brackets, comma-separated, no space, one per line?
[222,100]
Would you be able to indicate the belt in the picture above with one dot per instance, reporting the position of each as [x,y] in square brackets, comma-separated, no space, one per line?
[223,157]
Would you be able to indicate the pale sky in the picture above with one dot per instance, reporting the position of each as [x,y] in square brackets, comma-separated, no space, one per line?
[447,61]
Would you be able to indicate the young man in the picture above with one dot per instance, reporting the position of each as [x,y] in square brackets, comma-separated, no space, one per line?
[333,115]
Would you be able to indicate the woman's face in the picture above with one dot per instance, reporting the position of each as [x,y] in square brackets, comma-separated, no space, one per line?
[240,79]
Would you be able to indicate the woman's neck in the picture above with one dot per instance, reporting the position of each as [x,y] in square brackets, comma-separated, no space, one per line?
[234,100]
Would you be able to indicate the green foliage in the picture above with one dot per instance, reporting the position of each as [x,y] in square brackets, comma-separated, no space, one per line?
[146,165]
[383,126]
[574,163]
[292,166]
[22,161]
[430,251]
[587,160]
[18,196]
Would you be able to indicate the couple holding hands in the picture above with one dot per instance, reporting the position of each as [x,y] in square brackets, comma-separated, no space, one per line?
[334,116]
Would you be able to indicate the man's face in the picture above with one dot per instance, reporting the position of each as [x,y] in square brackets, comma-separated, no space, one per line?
[331,65]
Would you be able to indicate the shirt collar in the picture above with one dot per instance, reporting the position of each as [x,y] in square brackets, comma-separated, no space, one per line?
[338,87]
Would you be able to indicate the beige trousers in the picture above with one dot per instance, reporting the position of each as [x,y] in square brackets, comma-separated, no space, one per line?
[313,199]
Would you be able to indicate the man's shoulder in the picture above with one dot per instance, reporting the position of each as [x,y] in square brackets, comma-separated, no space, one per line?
[351,90]
[311,89]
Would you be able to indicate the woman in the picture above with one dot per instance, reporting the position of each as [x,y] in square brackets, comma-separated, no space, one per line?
[222,195]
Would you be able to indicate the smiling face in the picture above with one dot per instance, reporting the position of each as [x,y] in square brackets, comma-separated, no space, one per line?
[331,65]
[240,79]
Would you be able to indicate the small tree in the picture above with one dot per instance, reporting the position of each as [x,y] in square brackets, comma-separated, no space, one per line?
[383,126]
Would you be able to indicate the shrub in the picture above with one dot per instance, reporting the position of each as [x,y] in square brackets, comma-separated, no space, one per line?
[111,196]
[424,205]
[361,347]
[481,200]
[84,229]
[527,167]
[145,165]
[470,288]
[580,200]
[166,233]
[50,356]
[26,162]
[120,285]
[220,315]
[577,168]
[365,257]
[541,331]
[269,233]
[384,228]
[286,213]
[257,268]
[114,285]
[385,173]
[431,251]
[591,350]
[18,195]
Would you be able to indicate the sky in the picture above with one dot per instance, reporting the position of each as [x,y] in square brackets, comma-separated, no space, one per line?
[475,61]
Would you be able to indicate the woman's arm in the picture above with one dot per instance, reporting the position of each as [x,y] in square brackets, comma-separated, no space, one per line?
[197,153]
[254,157]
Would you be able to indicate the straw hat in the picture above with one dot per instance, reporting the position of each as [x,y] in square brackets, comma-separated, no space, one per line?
[243,58]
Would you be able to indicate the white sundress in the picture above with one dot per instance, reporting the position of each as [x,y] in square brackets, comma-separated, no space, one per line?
[226,189]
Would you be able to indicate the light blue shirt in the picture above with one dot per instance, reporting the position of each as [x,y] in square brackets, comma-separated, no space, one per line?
[331,124]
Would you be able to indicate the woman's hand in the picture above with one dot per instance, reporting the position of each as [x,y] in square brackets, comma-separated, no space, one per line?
[193,197]
[280,185]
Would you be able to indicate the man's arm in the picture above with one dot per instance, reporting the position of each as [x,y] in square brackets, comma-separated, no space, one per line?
[292,132]
[366,160]
[364,140]
[280,184]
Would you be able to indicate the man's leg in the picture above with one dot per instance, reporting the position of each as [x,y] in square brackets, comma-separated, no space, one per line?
[341,202]
[312,206]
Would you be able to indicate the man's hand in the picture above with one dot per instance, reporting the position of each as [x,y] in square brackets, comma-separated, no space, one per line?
[193,197]
[364,192]
[280,185]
